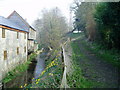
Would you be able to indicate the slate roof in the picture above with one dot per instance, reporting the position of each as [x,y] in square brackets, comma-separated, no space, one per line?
[16,18]
[9,23]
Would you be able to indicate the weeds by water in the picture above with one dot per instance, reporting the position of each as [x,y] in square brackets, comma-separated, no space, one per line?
[19,69]
[51,76]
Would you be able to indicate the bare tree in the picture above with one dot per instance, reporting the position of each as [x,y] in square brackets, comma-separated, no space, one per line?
[51,28]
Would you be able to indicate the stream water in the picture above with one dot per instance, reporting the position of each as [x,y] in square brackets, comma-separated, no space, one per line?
[34,70]
[40,65]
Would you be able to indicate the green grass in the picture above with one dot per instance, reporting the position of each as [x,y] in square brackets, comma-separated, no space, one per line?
[77,80]
[74,35]
[19,69]
[110,56]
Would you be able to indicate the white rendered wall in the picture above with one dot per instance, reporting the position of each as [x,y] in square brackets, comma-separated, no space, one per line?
[10,44]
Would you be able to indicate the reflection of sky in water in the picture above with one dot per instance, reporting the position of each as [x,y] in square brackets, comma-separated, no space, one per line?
[40,65]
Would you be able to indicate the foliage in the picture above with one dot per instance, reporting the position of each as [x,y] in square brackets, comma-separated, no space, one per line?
[77,80]
[99,21]
[84,19]
[112,56]
[108,24]
[51,76]
[80,14]
[20,68]
[40,46]
[51,28]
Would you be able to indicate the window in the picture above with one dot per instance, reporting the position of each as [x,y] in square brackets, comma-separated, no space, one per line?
[17,35]
[24,35]
[17,50]
[25,49]
[3,33]
[5,55]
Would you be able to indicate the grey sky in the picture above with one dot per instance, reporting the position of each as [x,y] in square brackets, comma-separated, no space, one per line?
[30,9]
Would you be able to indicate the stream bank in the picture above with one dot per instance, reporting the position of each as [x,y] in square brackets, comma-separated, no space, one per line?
[45,71]
[25,77]
[51,76]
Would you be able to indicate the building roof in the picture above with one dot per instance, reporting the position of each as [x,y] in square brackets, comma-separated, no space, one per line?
[16,18]
[9,23]
[32,28]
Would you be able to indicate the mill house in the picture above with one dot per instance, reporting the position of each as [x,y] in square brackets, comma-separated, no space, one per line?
[17,40]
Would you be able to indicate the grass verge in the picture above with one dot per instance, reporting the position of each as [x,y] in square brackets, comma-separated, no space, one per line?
[74,35]
[19,69]
[111,56]
[76,79]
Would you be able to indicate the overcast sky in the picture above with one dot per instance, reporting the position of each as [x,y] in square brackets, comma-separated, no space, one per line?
[30,9]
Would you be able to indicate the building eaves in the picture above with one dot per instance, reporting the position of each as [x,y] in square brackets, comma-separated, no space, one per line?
[32,28]
[8,23]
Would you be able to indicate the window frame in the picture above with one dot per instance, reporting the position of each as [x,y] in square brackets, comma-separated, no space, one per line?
[17,50]
[3,32]
[5,55]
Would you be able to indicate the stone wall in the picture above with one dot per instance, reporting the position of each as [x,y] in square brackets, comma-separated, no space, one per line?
[10,44]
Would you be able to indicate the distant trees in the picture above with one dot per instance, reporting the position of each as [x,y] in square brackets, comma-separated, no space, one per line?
[84,19]
[99,21]
[51,28]
[107,17]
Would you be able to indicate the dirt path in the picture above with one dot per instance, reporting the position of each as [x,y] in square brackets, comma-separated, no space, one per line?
[96,69]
